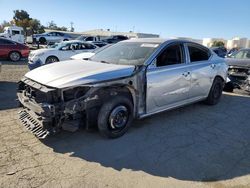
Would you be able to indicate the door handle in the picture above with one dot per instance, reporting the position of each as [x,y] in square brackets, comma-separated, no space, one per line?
[186,73]
[213,66]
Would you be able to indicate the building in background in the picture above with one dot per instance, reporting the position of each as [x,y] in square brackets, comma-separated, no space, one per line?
[209,41]
[238,43]
[107,33]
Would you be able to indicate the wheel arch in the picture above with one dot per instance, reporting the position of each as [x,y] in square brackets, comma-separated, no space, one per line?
[51,56]
[14,50]
[105,93]
[219,77]
[114,90]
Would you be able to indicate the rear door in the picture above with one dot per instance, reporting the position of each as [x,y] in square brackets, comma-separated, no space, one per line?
[168,79]
[202,69]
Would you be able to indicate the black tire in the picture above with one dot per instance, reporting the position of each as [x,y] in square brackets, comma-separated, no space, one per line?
[51,59]
[14,56]
[115,117]
[229,87]
[65,39]
[42,40]
[215,92]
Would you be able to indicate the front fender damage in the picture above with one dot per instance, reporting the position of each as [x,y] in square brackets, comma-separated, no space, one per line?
[48,110]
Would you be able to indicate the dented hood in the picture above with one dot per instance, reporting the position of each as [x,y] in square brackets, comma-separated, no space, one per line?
[245,63]
[77,72]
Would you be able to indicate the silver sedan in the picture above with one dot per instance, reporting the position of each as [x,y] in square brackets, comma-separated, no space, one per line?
[131,79]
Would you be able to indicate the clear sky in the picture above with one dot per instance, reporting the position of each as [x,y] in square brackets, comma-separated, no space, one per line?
[182,18]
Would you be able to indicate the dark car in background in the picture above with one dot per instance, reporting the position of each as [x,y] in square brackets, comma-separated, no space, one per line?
[13,50]
[115,39]
[220,51]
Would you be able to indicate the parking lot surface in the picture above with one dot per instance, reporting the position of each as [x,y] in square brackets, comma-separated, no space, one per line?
[193,146]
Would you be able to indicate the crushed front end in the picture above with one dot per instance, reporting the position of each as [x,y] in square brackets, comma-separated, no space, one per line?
[240,77]
[46,110]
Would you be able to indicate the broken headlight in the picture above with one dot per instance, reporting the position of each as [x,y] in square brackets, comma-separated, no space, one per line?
[74,93]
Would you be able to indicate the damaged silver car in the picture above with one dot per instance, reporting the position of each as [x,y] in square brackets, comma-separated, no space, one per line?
[130,80]
[239,70]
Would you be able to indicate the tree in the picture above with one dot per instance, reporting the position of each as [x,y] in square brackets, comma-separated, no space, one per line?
[218,44]
[53,26]
[20,15]
[35,26]
[22,18]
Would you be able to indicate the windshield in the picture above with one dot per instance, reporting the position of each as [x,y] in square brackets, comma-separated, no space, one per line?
[61,45]
[126,53]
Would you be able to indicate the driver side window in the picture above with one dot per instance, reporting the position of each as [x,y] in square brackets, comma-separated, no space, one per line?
[172,55]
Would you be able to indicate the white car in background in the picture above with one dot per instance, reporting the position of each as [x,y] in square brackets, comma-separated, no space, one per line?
[51,37]
[87,55]
[62,51]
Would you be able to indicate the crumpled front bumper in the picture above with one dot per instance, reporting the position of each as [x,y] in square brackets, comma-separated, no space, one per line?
[33,124]
[37,118]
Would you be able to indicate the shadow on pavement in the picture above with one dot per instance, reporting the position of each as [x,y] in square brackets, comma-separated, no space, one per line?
[196,143]
[8,62]
[8,95]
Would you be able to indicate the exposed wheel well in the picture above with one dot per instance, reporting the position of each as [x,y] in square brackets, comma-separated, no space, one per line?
[104,94]
[219,77]
[107,92]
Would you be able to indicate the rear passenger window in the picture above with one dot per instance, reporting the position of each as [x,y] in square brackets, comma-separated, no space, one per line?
[198,53]
[170,56]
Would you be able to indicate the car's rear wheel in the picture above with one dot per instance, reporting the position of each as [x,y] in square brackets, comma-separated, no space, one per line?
[42,40]
[14,56]
[215,92]
[51,59]
[115,117]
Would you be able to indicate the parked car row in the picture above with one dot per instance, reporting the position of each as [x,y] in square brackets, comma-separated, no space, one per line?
[129,80]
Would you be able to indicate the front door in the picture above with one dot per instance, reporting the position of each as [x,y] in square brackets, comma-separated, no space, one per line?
[168,81]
